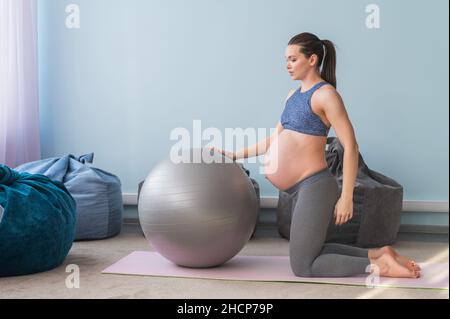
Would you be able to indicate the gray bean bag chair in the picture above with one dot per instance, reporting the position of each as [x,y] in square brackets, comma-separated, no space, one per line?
[97,193]
[255,186]
[377,205]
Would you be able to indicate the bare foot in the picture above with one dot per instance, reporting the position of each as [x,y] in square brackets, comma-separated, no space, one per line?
[402,260]
[389,267]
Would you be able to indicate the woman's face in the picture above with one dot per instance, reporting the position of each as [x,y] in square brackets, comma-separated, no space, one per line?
[298,65]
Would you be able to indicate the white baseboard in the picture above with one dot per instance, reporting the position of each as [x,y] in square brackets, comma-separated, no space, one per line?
[404,228]
[130,199]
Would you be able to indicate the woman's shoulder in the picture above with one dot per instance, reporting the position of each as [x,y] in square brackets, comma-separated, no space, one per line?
[325,97]
[325,92]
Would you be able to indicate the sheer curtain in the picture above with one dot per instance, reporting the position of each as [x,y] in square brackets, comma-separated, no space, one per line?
[19,104]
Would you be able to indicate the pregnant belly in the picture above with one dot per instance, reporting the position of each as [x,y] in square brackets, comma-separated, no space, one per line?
[293,156]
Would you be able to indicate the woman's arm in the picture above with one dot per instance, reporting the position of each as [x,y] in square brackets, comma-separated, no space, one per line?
[259,148]
[330,102]
[332,105]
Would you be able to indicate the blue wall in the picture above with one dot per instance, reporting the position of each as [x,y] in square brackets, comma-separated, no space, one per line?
[136,69]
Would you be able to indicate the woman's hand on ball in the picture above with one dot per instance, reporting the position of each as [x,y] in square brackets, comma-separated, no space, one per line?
[224,153]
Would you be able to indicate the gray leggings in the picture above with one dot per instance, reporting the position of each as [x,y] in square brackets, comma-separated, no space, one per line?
[314,199]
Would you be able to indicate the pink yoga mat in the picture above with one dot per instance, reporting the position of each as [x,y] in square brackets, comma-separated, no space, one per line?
[267,268]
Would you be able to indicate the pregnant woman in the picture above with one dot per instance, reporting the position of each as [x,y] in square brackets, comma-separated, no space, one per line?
[295,163]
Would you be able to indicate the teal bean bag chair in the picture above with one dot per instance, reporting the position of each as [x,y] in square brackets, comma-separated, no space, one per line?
[37,223]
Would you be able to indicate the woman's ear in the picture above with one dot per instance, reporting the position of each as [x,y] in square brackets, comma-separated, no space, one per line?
[313,60]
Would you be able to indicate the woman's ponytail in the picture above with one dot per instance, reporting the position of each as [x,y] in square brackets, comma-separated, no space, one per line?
[329,63]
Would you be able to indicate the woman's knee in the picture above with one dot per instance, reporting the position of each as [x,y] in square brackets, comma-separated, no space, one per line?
[299,267]
[302,271]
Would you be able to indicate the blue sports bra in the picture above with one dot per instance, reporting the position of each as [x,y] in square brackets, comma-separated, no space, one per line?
[298,115]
